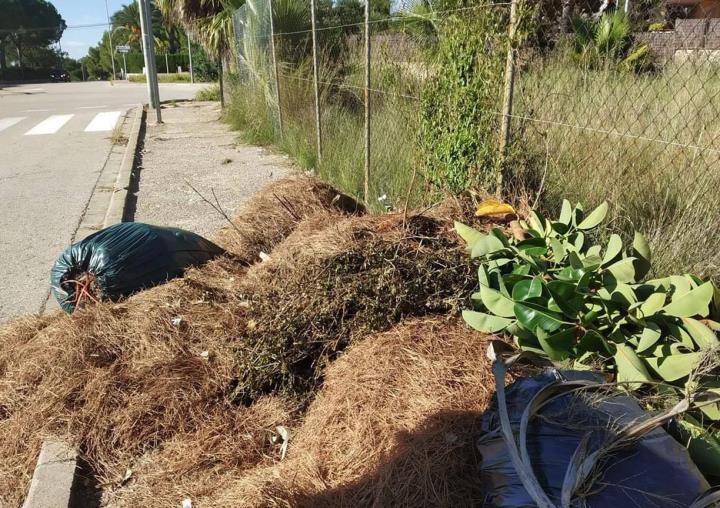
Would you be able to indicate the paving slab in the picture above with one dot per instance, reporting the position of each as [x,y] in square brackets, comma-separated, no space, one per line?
[193,147]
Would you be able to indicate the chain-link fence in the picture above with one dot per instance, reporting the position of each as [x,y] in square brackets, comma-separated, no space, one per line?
[618,108]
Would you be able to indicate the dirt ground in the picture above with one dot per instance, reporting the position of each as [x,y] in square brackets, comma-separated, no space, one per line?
[193,147]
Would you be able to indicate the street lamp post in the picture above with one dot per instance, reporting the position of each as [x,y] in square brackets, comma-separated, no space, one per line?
[112,50]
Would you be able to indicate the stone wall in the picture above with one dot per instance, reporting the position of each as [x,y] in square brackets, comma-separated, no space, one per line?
[690,36]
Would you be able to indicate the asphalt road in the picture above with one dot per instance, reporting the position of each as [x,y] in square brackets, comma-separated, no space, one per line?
[54,142]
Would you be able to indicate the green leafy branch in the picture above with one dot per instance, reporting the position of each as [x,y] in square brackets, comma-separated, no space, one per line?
[561,297]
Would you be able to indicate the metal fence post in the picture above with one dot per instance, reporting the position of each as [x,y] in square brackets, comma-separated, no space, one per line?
[318,127]
[508,94]
[275,69]
[367,101]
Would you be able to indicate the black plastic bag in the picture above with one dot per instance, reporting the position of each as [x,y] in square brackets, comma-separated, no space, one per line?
[654,471]
[125,258]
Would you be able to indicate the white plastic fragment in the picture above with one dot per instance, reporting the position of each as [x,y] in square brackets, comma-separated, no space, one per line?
[187,503]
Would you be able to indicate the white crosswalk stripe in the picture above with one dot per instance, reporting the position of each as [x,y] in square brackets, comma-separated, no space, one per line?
[104,121]
[9,122]
[50,125]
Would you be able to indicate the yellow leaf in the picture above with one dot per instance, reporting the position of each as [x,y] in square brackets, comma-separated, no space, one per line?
[493,207]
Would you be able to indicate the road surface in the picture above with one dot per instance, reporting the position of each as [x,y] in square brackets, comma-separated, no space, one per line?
[54,143]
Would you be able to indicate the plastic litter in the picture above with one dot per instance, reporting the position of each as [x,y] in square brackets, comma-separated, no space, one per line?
[122,259]
[652,471]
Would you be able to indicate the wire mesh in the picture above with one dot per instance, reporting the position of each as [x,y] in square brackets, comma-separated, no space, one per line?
[610,111]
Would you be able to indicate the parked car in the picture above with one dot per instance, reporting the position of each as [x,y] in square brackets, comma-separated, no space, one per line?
[58,75]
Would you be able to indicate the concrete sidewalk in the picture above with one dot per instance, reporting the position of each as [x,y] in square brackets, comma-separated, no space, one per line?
[193,146]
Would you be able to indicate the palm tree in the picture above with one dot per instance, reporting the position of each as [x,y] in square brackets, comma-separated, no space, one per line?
[127,20]
[210,21]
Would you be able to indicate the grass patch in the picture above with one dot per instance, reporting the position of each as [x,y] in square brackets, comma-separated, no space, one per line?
[209,93]
[117,137]
[645,143]
[394,126]
[176,77]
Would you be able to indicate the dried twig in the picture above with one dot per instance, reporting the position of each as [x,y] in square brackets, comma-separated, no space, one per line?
[216,206]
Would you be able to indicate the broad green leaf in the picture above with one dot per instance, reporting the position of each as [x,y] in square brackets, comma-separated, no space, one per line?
[703,447]
[591,263]
[577,214]
[570,273]
[486,244]
[575,261]
[533,316]
[595,217]
[653,304]
[640,247]
[567,299]
[556,346]
[496,302]
[579,241]
[528,288]
[680,334]
[623,270]
[641,253]
[486,323]
[613,250]
[468,234]
[703,336]
[595,250]
[693,303]
[495,264]
[711,411]
[566,212]
[558,250]
[681,285]
[537,222]
[674,366]
[497,232]
[623,294]
[649,337]
[593,342]
[630,368]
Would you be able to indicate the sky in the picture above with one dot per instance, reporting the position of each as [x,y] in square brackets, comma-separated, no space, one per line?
[76,41]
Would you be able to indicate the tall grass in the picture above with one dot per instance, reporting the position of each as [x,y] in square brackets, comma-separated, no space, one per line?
[646,143]
[394,122]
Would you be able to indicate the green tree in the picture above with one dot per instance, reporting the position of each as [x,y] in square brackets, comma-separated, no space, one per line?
[27,24]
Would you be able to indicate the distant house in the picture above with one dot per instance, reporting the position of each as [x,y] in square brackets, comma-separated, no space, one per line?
[695,32]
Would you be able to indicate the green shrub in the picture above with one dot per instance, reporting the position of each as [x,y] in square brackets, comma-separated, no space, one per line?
[562,297]
[460,105]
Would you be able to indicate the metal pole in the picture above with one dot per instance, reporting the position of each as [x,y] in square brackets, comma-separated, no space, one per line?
[318,127]
[112,50]
[82,69]
[167,67]
[192,73]
[124,67]
[149,53]
[508,95]
[275,66]
[367,101]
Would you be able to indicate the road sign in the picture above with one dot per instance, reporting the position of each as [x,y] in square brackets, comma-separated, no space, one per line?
[122,49]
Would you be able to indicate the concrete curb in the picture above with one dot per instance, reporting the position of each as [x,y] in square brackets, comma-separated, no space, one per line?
[116,209]
[53,477]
